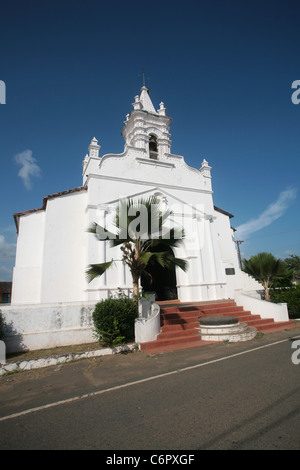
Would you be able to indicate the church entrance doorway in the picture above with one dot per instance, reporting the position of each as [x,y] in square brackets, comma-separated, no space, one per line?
[160,280]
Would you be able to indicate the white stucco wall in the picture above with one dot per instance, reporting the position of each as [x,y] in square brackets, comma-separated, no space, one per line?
[27,274]
[51,252]
[64,257]
[35,326]
[228,252]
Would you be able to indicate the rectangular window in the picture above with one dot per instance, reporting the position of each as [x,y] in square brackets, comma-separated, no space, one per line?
[229,271]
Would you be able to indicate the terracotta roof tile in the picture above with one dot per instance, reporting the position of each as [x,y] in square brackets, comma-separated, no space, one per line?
[45,200]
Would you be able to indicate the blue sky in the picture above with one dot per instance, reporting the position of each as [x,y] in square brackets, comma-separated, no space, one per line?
[224,70]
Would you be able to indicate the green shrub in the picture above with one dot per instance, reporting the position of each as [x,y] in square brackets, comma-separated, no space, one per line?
[289,296]
[114,320]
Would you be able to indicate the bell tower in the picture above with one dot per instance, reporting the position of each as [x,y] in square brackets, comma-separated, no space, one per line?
[148,129]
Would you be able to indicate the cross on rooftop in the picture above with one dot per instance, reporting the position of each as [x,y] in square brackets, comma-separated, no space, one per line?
[144,77]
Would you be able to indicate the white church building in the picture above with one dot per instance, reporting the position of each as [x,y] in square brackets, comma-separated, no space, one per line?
[54,247]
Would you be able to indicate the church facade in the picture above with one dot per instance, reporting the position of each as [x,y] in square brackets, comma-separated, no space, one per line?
[54,247]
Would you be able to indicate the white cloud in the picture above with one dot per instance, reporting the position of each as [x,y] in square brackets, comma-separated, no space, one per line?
[6,273]
[7,250]
[269,215]
[29,167]
[7,259]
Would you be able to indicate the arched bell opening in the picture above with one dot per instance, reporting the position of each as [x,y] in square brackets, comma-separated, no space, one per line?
[153,148]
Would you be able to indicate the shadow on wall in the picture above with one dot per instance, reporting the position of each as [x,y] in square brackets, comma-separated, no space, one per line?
[12,339]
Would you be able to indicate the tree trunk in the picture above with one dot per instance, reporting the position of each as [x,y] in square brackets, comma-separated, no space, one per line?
[267,292]
[134,271]
[135,282]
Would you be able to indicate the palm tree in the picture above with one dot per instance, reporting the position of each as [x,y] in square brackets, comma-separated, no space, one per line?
[138,238]
[265,268]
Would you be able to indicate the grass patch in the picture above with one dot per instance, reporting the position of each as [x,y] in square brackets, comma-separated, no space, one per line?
[57,351]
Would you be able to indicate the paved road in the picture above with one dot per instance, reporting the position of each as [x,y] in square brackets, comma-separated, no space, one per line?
[221,396]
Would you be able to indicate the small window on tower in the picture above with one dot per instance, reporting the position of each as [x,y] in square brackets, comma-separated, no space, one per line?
[153,147]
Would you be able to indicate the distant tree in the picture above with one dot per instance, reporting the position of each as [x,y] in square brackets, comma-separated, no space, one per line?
[293,263]
[265,268]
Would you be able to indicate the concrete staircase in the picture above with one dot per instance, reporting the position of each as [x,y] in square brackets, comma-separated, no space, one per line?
[180,325]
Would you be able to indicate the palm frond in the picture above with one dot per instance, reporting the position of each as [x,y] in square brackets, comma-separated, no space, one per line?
[181,263]
[265,266]
[141,213]
[168,260]
[146,256]
[142,230]
[96,270]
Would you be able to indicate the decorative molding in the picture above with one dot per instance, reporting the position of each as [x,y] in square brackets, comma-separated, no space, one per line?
[149,161]
[149,183]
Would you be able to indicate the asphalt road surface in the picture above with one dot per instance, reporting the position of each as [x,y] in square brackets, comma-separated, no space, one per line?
[219,396]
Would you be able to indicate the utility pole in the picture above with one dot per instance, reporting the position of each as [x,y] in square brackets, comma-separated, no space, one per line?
[238,242]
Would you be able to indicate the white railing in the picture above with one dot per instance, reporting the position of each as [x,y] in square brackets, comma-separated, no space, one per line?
[147,325]
[278,312]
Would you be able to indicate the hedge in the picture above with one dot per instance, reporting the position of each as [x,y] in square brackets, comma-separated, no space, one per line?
[114,320]
[291,296]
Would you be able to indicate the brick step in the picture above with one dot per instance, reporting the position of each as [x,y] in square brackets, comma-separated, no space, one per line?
[166,304]
[195,308]
[173,334]
[245,317]
[179,322]
[222,310]
[156,349]
[179,326]
[197,313]
[177,311]
[259,321]
[185,318]
[250,319]
[180,316]
[216,305]
[271,325]
[171,341]
[242,315]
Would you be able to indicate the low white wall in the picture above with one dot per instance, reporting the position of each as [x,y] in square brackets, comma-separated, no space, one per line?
[148,328]
[278,312]
[36,326]
[41,326]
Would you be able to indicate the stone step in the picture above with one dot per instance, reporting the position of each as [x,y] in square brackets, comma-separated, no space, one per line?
[225,328]
[246,333]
